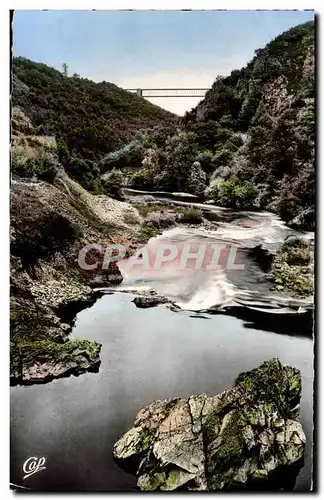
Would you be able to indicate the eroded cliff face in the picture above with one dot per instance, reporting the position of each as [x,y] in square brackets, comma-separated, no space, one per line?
[246,437]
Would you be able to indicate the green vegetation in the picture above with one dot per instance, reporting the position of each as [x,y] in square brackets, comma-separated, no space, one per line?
[151,482]
[192,216]
[88,119]
[250,142]
[271,102]
[129,155]
[42,168]
[112,183]
[142,179]
[188,215]
[145,440]
[266,383]
[46,351]
[145,209]
[25,354]
[234,193]
[291,269]
[147,232]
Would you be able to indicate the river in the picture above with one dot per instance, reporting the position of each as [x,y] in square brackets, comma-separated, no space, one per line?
[224,322]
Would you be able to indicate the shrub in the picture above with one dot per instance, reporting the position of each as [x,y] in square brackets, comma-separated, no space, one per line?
[224,193]
[112,183]
[97,186]
[244,194]
[293,278]
[197,179]
[42,168]
[192,216]
[142,179]
[209,134]
[221,173]
[148,232]
[86,172]
[151,160]
[235,194]
[157,136]
[63,152]
[205,158]
[222,158]
[45,169]
[144,209]
[130,155]
[295,251]
[41,235]
[181,151]
[291,269]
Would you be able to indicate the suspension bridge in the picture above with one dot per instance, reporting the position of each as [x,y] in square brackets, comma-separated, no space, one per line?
[193,92]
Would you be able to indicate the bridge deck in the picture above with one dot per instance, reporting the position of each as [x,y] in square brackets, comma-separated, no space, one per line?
[193,92]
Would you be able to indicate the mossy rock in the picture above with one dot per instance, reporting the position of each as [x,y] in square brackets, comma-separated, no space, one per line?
[241,439]
[42,360]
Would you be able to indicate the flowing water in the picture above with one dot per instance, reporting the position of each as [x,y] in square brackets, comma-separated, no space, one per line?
[222,323]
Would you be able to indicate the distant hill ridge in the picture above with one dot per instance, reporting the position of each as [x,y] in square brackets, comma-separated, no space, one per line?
[270,103]
[91,118]
[88,119]
[234,100]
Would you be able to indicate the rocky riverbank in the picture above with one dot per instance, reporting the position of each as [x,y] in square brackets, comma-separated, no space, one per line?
[50,224]
[292,269]
[248,437]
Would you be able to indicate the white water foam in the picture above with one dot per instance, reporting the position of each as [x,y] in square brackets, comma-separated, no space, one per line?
[202,289]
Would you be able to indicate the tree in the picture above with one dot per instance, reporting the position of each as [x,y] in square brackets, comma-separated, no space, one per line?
[65,69]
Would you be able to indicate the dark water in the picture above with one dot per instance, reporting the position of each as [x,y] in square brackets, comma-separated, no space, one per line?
[147,354]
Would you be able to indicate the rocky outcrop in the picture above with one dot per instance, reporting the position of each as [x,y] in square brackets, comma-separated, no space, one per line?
[50,224]
[104,213]
[246,437]
[149,300]
[20,121]
[111,277]
[41,318]
[42,360]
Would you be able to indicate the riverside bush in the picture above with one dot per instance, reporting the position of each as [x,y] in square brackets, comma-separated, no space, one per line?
[235,194]
[192,216]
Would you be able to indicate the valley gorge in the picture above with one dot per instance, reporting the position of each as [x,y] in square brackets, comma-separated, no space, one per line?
[172,377]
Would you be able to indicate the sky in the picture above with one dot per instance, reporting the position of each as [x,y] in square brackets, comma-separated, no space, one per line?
[149,49]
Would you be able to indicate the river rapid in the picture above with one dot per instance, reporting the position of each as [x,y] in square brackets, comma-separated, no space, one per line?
[222,322]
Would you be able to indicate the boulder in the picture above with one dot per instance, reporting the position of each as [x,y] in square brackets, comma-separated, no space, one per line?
[104,280]
[149,300]
[245,438]
[105,277]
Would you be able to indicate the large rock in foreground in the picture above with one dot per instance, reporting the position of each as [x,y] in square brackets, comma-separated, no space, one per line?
[246,437]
